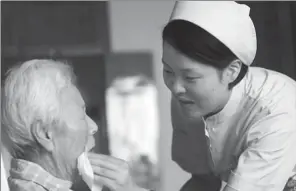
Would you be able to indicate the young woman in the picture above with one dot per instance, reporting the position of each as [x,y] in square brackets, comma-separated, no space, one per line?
[232,122]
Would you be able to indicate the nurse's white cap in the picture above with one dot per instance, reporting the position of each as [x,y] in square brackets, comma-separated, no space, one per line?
[228,21]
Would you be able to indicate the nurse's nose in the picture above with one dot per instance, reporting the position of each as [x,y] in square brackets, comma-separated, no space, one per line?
[178,87]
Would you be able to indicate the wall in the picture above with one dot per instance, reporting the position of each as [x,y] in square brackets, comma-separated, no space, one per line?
[136,26]
[293,21]
[273,25]
[139,63]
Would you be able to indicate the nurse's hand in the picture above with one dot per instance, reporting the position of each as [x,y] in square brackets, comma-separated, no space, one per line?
[110,171]
[291,184]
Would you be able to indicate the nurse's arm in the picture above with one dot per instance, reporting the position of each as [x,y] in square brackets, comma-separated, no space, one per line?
[268,161]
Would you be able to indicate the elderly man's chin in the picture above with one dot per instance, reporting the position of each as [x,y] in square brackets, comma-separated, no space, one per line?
[90,146]
[79,183]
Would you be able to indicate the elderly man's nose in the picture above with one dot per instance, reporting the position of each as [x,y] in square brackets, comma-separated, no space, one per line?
[93,127]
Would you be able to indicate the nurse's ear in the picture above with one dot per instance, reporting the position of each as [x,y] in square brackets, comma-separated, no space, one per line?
[232,71]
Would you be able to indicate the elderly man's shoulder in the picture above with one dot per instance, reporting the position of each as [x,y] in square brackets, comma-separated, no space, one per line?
[16,184]
[24,185]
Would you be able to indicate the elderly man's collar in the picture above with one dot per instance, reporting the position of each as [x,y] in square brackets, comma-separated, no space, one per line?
[28,171]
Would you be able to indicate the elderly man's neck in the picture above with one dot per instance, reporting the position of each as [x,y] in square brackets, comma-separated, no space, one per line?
[57,168]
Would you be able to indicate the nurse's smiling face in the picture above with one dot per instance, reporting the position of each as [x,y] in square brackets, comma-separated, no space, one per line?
[200,89]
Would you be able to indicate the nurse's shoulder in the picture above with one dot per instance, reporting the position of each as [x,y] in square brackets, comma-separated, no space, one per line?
[273,90]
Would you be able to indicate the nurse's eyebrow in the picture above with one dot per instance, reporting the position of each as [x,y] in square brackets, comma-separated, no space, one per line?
[192,71]
[165,64]
[187,70]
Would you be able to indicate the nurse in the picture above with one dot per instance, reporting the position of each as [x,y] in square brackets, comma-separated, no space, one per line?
[231,122]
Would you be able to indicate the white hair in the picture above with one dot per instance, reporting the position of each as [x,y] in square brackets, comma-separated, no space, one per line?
[31,95]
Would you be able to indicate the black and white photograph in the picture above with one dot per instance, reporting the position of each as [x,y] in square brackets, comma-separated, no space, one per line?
[148,95]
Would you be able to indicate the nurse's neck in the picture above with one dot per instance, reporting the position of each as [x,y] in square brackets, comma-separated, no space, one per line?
[223,103]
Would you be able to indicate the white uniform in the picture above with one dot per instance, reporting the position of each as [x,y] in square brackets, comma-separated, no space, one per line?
[251,143]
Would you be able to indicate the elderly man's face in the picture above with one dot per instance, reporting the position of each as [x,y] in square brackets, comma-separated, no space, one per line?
[77,134]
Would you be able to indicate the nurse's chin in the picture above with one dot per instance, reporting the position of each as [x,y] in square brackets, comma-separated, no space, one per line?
[190,112]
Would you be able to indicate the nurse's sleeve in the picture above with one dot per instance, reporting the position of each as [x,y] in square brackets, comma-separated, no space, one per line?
[269,158]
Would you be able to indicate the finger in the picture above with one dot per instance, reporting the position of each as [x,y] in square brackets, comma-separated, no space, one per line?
[121,177]
[107,173]
[111,184]
[106,158]
[96,162]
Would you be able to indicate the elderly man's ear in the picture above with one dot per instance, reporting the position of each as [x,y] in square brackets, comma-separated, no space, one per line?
[44,136]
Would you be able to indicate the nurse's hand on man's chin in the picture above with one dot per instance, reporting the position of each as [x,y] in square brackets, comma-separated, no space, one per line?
[110,171]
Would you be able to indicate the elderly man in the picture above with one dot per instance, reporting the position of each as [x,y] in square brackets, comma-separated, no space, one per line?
[44,119]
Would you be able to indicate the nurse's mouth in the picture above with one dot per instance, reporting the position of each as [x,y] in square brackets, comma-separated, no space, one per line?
[186,102]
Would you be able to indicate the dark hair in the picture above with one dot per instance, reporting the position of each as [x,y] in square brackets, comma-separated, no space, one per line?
[198,44]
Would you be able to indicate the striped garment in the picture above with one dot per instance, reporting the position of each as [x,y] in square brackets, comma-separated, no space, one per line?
[28,176]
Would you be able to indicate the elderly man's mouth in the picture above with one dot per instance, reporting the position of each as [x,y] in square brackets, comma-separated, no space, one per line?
[90,147]
[90,144]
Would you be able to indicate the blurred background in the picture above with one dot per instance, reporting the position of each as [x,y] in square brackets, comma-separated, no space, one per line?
[120,41]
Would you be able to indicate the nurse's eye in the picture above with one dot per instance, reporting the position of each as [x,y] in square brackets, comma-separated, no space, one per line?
[191,78]
[167,71]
